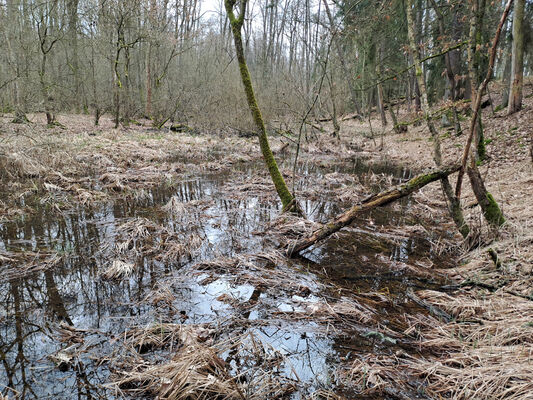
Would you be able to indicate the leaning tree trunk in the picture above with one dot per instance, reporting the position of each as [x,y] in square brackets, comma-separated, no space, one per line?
[377,200]
[490,208]
[236,25]
[517,63]
[454,206]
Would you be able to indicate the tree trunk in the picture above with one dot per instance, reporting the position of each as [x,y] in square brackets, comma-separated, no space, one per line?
[342,59]
[517,63]
[152,21]
[72,8]
[381,102]
[236,25]
[450,61]
[490,208]
[11,34]
[506,73]
[454,205]
[377,200]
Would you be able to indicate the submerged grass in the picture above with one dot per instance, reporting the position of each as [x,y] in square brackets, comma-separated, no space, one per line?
[197,369]
[485,352]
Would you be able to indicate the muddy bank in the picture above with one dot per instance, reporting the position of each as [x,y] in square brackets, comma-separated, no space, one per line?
[125,294]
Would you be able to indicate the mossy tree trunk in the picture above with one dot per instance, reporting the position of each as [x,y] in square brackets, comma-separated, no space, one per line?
[490,208]
[236,23]
[454,206]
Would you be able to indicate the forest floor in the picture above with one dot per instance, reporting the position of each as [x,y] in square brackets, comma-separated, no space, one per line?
[138,261]
[486,352]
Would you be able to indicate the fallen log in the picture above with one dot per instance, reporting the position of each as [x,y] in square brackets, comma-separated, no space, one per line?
[373,201]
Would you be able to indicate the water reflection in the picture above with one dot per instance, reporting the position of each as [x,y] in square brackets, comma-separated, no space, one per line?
[70,292]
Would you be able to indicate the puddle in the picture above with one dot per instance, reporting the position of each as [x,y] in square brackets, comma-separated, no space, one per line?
[69,290]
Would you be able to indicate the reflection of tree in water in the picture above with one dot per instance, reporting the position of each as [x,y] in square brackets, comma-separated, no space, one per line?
[12,347]
[35,304]
[72,292]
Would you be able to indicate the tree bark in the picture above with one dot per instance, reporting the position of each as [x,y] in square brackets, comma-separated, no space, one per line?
[490,208]
[517,63]
[381,101]
[236,25]
[492,214]
[454,206]
[506,73]
[377,200]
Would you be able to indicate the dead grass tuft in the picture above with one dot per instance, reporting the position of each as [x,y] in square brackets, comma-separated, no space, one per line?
[118,270]
[142,237]
[16,265]
[196,370]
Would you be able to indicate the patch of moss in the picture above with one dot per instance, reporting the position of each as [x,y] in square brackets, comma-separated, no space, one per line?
[493,213]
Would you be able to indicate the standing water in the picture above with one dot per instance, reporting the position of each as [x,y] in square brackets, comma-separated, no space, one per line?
[75,285]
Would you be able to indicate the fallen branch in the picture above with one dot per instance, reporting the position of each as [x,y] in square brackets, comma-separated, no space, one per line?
[376,200]
[491,288]
[435,311]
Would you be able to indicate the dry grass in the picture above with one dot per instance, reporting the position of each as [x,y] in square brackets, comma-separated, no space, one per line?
[22,264]
[487,351]
[118,270]
[140,237]
[196,370]
[487,372]
[81,157]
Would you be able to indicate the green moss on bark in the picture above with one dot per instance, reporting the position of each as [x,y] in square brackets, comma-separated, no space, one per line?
[492,212]
[236,25]
[481,145]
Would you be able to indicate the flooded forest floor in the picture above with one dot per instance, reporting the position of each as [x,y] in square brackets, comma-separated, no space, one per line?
[142,263]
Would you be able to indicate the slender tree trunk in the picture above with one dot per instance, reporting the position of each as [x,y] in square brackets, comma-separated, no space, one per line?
[334,119]
[381,101]
[152,22]
[50,117]
[342,59]
[506,74]
[492,212]
[11,34]
[236,25]
[517,63]
[72,8]
[117,86]
[453,203]
[450,71]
